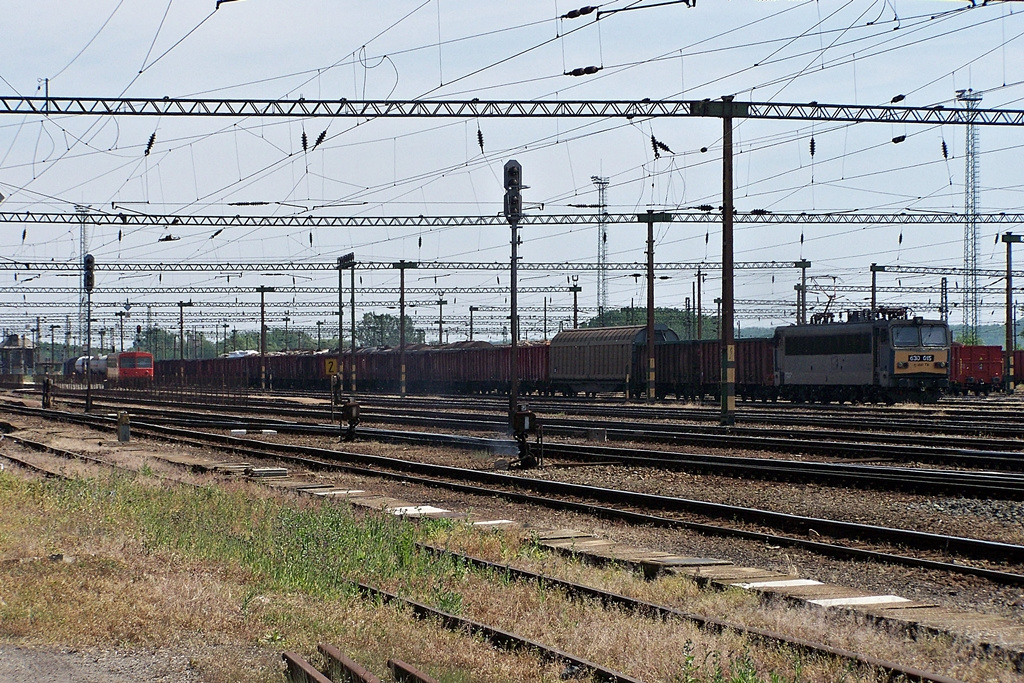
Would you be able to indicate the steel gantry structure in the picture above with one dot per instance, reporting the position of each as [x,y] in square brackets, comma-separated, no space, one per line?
[727,109]
[712,215]
[477,108]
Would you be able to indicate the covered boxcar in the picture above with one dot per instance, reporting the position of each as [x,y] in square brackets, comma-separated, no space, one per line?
[601,359]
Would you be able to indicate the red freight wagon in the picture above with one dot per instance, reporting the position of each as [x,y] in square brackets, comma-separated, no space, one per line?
[977,369]
[692,369]
[755,368]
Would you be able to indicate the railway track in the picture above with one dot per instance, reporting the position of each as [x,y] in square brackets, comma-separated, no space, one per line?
[982,423]
[951,554]
[339,667]
[986,453]
[1000,485]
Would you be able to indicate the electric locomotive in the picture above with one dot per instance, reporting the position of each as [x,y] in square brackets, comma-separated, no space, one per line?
[885,357]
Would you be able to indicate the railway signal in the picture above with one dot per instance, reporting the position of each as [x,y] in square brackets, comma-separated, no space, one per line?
[513,213]
[90,272]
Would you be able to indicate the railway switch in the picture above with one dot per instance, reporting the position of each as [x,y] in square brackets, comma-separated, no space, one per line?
[350,416]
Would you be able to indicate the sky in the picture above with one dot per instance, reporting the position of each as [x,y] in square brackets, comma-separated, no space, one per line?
[835,51]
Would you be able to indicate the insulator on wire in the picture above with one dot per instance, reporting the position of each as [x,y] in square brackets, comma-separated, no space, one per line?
[813,147]
[480,139]
[898,98]
[149,145]
[945,150]
[654,146]
[583,71]
[898,139]
[577,13]
[305,142]
[320,139]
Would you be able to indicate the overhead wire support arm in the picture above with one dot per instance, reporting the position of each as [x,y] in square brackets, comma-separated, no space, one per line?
[464,109]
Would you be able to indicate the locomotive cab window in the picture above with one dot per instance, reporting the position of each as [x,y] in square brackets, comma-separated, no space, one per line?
[144,362]
[905,335]
[933,335]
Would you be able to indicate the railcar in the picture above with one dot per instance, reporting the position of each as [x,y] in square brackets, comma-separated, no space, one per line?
[975,369]
[887,357]
[128,368]
[602,359]
[691,369]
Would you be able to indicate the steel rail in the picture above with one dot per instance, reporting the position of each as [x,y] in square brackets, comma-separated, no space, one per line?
[415,472]
[339,664]
[713,624]
[833,443]
[984,485]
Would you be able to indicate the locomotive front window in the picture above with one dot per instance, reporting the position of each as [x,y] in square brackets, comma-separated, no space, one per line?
[144,362]
[127,362]
[933,335]
[905,335]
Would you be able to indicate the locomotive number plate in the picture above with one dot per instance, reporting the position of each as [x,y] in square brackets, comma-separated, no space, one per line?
[921,358]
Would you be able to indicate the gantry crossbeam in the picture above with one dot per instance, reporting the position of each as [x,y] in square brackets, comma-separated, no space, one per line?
[96,218]
[475,108]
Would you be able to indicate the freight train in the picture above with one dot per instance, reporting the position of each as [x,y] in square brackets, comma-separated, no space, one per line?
[885,357]
[128,368]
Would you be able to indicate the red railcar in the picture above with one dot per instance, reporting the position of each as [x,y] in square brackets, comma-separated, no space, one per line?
[133,367]
[692,369]
[977,369]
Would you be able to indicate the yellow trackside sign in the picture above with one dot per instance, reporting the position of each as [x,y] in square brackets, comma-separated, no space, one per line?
[330,366]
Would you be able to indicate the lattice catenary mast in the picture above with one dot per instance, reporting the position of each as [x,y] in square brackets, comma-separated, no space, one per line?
[602,245]
[970,333]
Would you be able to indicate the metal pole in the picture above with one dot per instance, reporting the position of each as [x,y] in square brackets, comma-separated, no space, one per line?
[575,289]
[728,390]
[401,328]
[263,334]
[874,285]
[650,305]
[341,328]
[545,318]
[472,309]
[440,321]
[513,360]
[181,330]
[1008,370]
[352,322]
[1009,238]
[875,269]
[700,310]
[88,350]
[52,359]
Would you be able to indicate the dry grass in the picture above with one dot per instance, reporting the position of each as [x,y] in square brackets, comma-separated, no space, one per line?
[232,576]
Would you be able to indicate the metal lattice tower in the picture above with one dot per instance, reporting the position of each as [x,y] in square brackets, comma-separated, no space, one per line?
[970,333]
[602,244]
